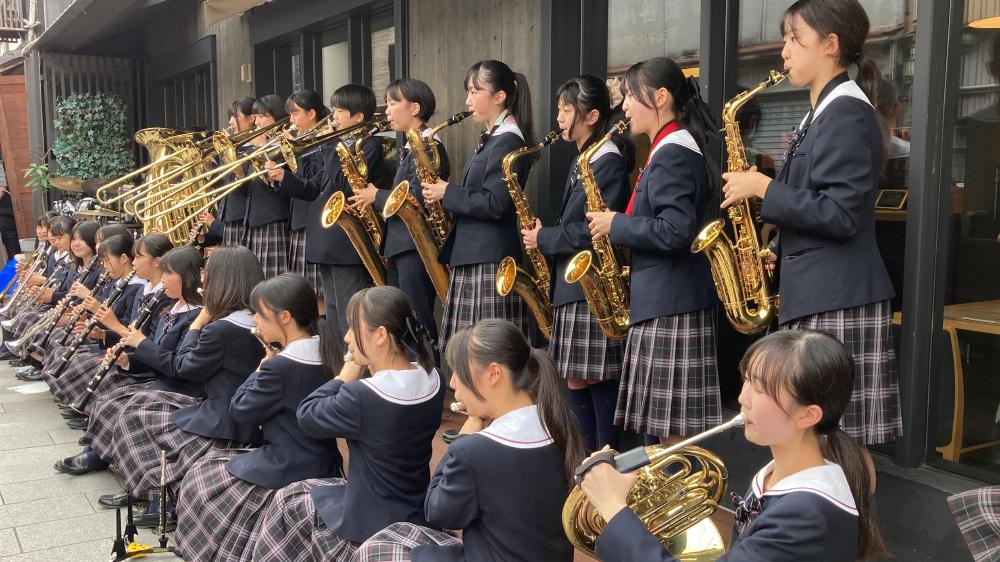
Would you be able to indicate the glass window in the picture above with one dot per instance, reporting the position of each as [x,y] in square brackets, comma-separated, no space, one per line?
[383,57]
[967,397]
[336,68]
[639,29]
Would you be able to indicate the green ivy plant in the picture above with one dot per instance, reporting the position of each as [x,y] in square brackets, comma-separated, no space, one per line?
[37,176]
[91,136]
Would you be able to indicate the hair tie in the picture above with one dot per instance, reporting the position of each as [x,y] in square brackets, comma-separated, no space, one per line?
[829,429]
[414,333]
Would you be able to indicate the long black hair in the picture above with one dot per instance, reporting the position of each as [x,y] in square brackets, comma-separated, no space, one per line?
[306,100]
[495,76]
[849,21]
[388,306]
[532,371]
[186,262]
[243,105]
[271,105]
[230,275]
[117,245]
[87,232]
[814,368]
[153,245]
[588,93]
[642,79]
[291,292]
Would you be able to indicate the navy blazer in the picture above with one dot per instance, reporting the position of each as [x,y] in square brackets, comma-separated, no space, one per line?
[221,355]
[667,213]
[156,354]
[264,203]
[812,523]
[122,307]
[481,206]
[397,238]
[825,210]
[71,275]
[505,490]
[388,421]
[270,397]
[571,234]
[233,207]
[310,172]
[329,245]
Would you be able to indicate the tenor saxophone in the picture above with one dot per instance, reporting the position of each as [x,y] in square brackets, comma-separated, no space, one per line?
[738,264]
[534,290]
[429,224]
[361,225]
[604,281]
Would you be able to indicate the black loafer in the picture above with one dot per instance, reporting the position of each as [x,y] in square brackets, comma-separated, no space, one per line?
[75,466]
[69,414]
[152,521]
[35,375]
[78,423]
[119,500]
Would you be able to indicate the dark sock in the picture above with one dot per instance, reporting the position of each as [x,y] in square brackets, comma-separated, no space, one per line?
[604,396]
[579,402]
[95,462]
[650,439]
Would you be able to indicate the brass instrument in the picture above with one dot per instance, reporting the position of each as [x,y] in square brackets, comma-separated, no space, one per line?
[675,506]
[534,291]
[605,283]
[19,260]
[56,368]
[29,300]
[48,321]
[268,346]
[40,257]
[738,265]
[429,225]
[361,225]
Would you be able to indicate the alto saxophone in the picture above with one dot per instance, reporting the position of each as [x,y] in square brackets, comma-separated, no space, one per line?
[738,264]
[510,277]
[361,225]
[605,283]
[429,225]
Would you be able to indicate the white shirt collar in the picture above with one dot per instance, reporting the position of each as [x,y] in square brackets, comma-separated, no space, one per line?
[849,89]
[413,386]
[680,137]
[521,428]
[152,288]
[136,280]
[827,481]
[305,351]
[241,318]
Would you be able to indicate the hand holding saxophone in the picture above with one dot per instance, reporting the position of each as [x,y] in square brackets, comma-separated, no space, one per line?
[434,192]
[363,197]
[743,185]
[607,488]
[600,223]
[530,237]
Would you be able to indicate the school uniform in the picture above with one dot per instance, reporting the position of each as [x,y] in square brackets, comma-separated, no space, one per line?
[223,496]
[503,487]
[266,222]
[670,382]
[810,515]
[310,179]
[578,346]
[388,421]
[62,277]
[232,211]
[221,356]
[485,231]
[977,513]
[832,277]
[406,270]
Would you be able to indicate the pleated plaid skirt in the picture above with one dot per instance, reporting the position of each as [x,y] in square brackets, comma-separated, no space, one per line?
[28,319]
[977,513]
[270,244]
[79,370]
[472,296]
[394,543]
[579,347]
[670,381]
[234,234]
[218,513]
[291,530]
[297,261]
[873,415]
[105,412]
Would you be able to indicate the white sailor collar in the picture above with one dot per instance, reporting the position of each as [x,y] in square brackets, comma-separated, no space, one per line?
[606,148]
[412,386]
[521,429]
[827,481]
[849,89]
[679,137]
[506,124]
[152,288]
[136,280]
[179,308]
[305,351]
[425,134]
[241,318]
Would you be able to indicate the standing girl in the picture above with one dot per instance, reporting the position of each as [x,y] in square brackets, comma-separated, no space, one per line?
[590,360]
[823,201]
[267,210]
[670,383]
[227,228]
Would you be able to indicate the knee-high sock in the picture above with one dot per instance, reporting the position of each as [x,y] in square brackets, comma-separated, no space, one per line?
[604,397]
[583,409]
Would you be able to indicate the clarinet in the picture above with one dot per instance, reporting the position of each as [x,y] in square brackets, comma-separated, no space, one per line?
[78,314]
[57,367]
[81,277]
[113,354]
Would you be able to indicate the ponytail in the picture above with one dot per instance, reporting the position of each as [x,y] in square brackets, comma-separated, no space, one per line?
[331,349]
[696,117]
[496,76]
[844,451]
[520,107]
[547,394]
[389,307]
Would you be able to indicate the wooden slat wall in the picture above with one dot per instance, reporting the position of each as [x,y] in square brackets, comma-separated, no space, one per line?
[15,149]
[449,36]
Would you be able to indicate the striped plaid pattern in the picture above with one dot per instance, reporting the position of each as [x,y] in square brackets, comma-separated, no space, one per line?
[297,261]
[394,543]
[270,244]
[234,234]
[105,411]
[977,513]
[292,531]
[472,296]
[27,319]
[218,512]
[873,416]
[70,386]
[670,383]
[579,347]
